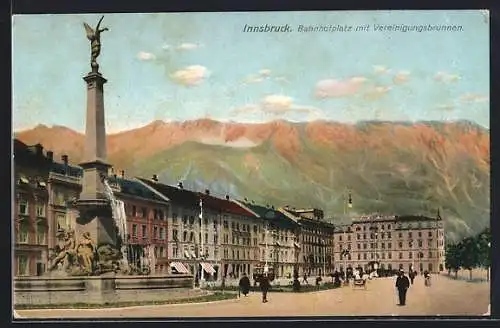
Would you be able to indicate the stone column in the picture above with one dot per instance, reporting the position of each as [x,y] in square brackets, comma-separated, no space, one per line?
[94,207]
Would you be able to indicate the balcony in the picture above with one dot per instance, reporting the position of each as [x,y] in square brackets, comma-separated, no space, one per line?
[64,178]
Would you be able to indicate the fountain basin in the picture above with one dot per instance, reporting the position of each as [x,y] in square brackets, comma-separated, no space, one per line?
[111,288]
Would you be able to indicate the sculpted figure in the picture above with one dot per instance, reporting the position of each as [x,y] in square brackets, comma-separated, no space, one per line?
[94,37]
[86,251]
[67,252]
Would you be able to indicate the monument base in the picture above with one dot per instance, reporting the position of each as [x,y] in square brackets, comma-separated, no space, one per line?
[104,289]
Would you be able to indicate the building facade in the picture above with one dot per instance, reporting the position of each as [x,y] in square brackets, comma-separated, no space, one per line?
[30,203]
[315,237]
[391,242]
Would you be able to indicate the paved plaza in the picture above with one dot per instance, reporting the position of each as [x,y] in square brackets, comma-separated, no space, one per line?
[445,297]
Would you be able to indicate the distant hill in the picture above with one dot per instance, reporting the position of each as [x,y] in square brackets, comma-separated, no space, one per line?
[391,167]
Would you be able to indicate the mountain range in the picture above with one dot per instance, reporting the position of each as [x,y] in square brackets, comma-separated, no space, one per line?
[388,167]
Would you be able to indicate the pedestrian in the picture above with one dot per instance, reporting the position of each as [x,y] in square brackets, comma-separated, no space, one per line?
[427,277]
[244,284]
[304,279]
[264,286]
[412,276]
[402,285]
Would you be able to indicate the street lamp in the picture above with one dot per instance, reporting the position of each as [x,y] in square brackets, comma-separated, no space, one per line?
[489,265]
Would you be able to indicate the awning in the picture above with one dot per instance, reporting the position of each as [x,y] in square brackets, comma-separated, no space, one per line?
[181,268]
[193,255]
[208,268]
[296,245]
[186,254]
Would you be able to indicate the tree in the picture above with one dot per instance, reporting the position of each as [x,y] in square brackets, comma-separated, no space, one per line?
[484,242]
[469,254]
[452,258]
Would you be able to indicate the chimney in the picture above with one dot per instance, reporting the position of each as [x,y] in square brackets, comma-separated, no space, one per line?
[50,155]
[122,173]
[155,178]
[227,197]
[64,158]
[246,199]
[207,191]
[180,185]
[39,149]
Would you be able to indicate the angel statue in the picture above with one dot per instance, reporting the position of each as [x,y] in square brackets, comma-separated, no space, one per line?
[95,43]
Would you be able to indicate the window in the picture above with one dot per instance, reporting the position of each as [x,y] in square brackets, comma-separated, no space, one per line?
[40,210]
[191,219]
[389,245]
[162,250]
[420,234]
[41,233]
[134,230]
[400,244]
[359,246]
[383,245]
[389,256]
[162,233]
[175,218]
[430,254]
[175,235]
[23,207]
[389,227]
[22,265]
[340,237]
[420,243]
[134,210]
[364,236]
[155,232]
[191,237]
[22,234]
[364,256]
[389,235]
[225,224]
[144,212]
[349,237]
[206,238]
[365,246]
[410,235]
[400,256]
[184,237]
[144,231]
[400,235]
[359,256]
[430,234]
[410,255]
[61,221]
[358,236]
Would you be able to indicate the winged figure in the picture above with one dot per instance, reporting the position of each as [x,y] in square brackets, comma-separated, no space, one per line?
[95,42]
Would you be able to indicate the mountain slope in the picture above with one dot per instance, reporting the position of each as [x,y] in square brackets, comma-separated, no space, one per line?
[391,167]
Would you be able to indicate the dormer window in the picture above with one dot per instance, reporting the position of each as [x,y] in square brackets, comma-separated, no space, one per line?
[23,180]
[42,184]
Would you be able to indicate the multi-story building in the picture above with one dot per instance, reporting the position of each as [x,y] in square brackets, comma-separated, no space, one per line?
[277,237]
[45,194]
[209,236]
[315,241]
[30,224]
[391,242]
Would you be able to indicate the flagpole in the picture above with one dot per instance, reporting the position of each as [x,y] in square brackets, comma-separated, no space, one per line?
[201,238]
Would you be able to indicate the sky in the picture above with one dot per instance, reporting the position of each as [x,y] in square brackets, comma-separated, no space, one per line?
[186,66]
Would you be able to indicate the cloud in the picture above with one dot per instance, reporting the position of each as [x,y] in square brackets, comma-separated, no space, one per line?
[165,47]
[446,77]
[190,76]
[446,107]
[379,69]
[281,79]
[376,92]
[277,106]
[261,75]
[332,88]
[142,55]
[401,77]
[188,46]
[474,97]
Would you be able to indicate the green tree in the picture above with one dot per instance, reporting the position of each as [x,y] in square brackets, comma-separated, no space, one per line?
[452,258]
[484,242]
[469,254]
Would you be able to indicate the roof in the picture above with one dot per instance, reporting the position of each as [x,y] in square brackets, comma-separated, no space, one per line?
[61,168]
[303,220]
[27,155]
[406,218]
[269,214]
[134,188]
[191,199]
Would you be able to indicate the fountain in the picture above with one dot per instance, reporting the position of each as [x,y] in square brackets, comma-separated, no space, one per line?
[94,255]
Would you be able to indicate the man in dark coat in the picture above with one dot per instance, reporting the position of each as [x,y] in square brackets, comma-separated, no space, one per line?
[244,284]
[412,276]
[402,284]
[264,286]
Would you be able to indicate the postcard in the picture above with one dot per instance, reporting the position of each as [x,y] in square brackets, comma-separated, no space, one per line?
[251,164]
